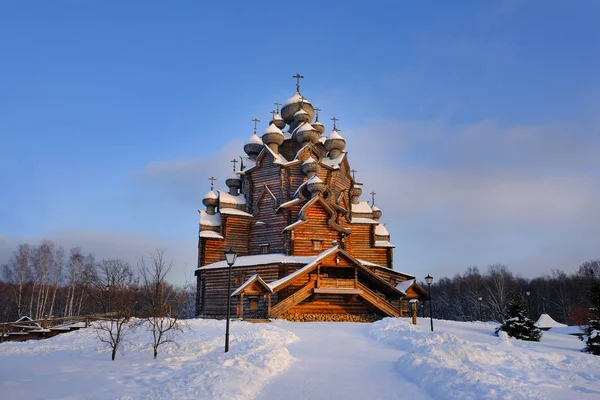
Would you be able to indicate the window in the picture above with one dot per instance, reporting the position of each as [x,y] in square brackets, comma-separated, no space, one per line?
[253,304]
[264,248]
[317,244]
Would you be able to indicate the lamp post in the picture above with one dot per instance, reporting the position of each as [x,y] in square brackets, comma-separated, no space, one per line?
[528,293]
[480,300]
[429,279]
[107,298]
[230,257]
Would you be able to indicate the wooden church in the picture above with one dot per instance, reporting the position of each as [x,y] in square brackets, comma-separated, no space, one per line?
[306,244]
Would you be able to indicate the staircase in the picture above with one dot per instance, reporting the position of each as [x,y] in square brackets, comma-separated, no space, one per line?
[292,300]
[381,304]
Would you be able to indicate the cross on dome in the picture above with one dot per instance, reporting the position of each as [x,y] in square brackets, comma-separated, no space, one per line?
[373,197]
[212,180]
[273,112]
[255,120]
[298,77]
[277,104]
[317,113]
[353,171]
[234,161]
[334,119]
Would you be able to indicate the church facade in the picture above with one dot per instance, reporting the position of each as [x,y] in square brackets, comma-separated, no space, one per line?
[306,244]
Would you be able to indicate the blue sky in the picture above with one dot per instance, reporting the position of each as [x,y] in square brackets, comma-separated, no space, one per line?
[477,122]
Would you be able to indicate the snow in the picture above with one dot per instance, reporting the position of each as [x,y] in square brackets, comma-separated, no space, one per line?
[335,135]
[380,230]
[403,286]
[294,225]
[254,139]
[289,203]
[383,243]
[210,235]
[210,220]
[261,259]
[370,264]
[210,195]
[306,126]
[314,179]
[279,159]
[546,321]
[333,162]
[229,199]
[249,281]
[272,129]
[296,98]
[363,221]
[235,211]
[309,160]
[74,365]
[388,359]
[362,208]
[300,112]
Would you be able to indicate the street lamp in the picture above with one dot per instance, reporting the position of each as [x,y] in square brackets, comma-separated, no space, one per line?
[528,292]
[480,300]
[230,257]
[107,298]
[429,280]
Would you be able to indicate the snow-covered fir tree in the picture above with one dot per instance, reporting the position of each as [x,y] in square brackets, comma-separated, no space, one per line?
[591,333]
[517,324]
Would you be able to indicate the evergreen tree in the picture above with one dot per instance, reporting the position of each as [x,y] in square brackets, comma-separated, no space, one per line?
[516,324]
[591,333]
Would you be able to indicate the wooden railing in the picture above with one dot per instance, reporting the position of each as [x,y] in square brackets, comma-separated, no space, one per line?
[378,302]
[336,283]
[292,300]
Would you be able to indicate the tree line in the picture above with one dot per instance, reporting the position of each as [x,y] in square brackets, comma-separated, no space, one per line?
[485,296]
[44,280]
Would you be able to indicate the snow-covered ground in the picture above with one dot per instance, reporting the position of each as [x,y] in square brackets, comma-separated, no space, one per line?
[389,359]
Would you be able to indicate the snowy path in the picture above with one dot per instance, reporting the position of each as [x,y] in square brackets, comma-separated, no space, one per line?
[339,361]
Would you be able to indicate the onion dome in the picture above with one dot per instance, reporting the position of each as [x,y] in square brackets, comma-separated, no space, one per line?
[315,186]
[380,230]
[335,144]
[234,181]
[310,167]
[355,193]
[301,116]
[272,136]
[278,121]
[319,127]
[376,213]
[295,104]
[210,199]
[253,146]
[306,133]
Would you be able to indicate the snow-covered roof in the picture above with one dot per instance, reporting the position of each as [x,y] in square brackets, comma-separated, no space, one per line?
[333,162]
[375,208]
[363,221]
[309,160]
[210,195]
[234,211]
[261,259]
[277,117]
[380,230]
[253,278]
[404,286]
[254,139]
[289,203]
[272,129]
[314,179]
[370,264]
[210,235]
[294,225]
[279,159]
[546,321]
[322,139]
[383,243]
[234,176]
[362,208]
[306,126]
[335,135]
[273,285]
[296,98]
[209,220]
[225,197]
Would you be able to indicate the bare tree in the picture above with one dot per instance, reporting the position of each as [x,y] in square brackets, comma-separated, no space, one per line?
[16,273]
[159,298]
[114,330]
[499,290]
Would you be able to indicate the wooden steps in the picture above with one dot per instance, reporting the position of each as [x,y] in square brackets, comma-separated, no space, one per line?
[305,292]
